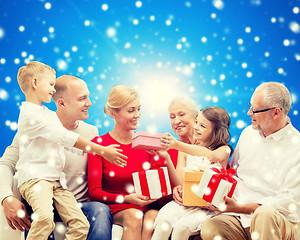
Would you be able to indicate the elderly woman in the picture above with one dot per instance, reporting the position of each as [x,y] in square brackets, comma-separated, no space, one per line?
[183,112]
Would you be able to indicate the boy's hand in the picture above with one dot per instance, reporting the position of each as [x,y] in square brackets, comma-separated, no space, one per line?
[114,155]
[168,142]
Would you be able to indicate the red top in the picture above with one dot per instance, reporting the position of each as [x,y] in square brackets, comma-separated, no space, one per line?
[109,183]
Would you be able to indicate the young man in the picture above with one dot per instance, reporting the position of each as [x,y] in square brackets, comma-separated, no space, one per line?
[266,203]
[72,101]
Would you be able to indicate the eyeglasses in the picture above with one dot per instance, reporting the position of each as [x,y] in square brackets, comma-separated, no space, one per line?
[259,111]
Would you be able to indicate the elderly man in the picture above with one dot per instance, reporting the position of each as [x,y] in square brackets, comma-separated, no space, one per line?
[72,102]
[266,204]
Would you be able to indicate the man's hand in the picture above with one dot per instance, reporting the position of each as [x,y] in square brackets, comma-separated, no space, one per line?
[232,206]
[16,214]
[113,155]
[177,194]
[138,200]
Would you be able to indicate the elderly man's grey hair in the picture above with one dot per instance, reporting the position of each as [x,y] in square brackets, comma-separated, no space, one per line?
[188,102]
[276,95]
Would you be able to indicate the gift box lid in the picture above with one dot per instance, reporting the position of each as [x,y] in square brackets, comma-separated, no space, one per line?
[147,134]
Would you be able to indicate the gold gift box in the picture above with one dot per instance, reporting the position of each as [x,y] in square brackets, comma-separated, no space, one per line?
[191,180]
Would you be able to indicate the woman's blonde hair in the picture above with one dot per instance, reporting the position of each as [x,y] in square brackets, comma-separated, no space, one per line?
[220,122]
[119,96]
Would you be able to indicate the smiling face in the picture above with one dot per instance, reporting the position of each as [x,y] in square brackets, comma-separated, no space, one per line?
[77,101]
[260,121]
[202,129]
[128,116]
[182,120]
[45,86]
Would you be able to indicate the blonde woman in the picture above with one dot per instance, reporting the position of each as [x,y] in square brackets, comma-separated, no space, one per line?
[113,185]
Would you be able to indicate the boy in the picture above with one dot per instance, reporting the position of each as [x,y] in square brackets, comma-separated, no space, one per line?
[41,156]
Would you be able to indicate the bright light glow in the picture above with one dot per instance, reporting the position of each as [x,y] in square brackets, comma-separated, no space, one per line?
[47,6]
[138,4]
[218,4]
[249,74]
[296,10]
[104,7]
[156,92]
[286,42]
[294,26]
[61,64]
[111,32]
[168,22]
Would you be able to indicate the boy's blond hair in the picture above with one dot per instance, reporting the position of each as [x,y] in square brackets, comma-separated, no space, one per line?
[26,73]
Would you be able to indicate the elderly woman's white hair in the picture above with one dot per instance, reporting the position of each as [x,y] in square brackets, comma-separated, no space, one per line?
[276,95]
[188,102]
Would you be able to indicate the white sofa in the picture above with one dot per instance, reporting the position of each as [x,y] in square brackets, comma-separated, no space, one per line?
[6,233]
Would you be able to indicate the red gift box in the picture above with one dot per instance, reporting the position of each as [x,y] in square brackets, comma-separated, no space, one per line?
[153,183]
[215,184]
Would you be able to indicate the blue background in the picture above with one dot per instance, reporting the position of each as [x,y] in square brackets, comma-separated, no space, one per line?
[214,51]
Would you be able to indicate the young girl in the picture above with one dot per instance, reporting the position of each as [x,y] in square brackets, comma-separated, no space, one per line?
[211,139]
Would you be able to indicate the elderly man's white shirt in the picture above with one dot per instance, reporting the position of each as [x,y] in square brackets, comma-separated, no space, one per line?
[269,169]
[42,139]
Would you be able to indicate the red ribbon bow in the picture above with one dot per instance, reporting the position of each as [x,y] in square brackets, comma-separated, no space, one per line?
[225,174]
[216,178]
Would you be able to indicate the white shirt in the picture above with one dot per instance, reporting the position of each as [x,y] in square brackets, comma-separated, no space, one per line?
[75,167]
[42,139]
[269,169]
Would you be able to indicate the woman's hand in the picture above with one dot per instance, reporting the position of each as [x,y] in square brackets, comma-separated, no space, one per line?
[177,194]
[138,199]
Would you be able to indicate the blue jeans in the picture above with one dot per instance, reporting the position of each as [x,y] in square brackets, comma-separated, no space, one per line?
[98,215]
[100,219]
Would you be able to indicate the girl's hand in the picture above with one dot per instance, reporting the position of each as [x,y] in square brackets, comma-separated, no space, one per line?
[169,141]
[177,194]
[138,199]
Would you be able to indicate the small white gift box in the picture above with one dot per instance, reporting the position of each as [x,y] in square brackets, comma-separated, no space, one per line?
[153,183]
